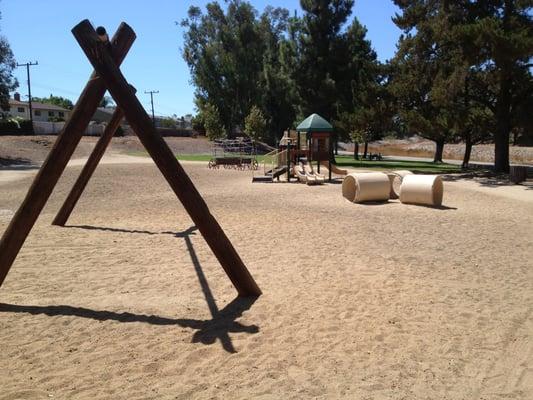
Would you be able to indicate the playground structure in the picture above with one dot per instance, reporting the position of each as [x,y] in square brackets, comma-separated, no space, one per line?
[422,189]
[310,144]
[369,186]
[236,153]
[106,57]
[396,178]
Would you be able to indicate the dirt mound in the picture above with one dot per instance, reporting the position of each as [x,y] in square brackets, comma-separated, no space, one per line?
[32,150]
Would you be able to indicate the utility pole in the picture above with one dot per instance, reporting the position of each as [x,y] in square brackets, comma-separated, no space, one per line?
[28,65]
[152,100]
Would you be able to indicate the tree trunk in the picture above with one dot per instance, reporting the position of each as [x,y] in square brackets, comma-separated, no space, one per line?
[366,150]
[468,151]
[336,146]
[438,151]
[503,125]
[356,151]
[503,102]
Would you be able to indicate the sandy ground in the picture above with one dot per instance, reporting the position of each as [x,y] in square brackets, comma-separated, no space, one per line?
[384,301]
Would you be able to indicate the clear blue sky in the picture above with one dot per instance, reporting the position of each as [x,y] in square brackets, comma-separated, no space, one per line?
[39,30]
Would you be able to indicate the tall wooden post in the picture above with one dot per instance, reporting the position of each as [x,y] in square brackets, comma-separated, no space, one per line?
[298,147]
[88,170]
[330,149]
[167,163]
[289,160]
[55,163]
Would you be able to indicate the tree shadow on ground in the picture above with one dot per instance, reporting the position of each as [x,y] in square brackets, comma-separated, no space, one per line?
[18,163]
[207,331]
[488,179]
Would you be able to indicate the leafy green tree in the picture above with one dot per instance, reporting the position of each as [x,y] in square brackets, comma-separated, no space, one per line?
[499,39]
[255,124]
[277,94]
[168,122]
[198,124]
[318,70]
[287,66]
[333,66]
[55,100]
[422,64]
[107,101]
[224,52]
[214,127]
[7,64]
[484,49]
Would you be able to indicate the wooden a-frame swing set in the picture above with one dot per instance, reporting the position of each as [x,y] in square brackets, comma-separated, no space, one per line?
[106,56]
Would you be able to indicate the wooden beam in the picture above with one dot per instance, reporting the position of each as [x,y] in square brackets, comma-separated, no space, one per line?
[88,170]
[54,165]
[167,163]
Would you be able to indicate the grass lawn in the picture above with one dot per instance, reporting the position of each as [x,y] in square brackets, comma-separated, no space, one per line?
[415,166]
[203,157]
[348,161]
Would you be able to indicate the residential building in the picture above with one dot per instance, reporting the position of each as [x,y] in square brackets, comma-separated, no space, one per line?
[41,111]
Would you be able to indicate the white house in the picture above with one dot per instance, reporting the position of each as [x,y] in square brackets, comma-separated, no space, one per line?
[41,111]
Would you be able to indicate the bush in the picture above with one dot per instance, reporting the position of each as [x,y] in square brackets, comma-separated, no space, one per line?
[213,124]
[56,119]
[14,126]
[119,131]
[255,124]
[26,127]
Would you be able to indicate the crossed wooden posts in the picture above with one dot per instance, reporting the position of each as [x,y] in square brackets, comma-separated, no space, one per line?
[106,56]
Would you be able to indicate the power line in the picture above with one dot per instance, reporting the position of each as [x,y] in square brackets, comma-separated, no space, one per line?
[152,101]
[28,65]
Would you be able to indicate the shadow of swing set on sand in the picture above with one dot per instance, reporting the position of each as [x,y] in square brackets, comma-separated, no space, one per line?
[223,321]
[106,55]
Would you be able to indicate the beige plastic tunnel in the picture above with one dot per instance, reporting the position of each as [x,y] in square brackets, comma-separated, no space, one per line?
[422,189]
[396,178]
[370,186]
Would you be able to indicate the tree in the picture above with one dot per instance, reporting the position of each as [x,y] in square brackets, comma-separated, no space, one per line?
[7,64]
[107,101]
[214,127]
[319,43]
[168,122]
[224,53]
[501,36]
[198,124]
[278,98]
[333,65]
[255,124]
[55,100]
[487,48]
[423,63]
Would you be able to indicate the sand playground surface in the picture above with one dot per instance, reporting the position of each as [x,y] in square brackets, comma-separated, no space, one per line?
[380,301]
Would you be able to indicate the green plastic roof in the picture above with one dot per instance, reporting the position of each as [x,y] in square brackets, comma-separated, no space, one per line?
[314,123]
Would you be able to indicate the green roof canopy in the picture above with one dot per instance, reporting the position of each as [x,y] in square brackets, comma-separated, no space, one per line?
[314,123]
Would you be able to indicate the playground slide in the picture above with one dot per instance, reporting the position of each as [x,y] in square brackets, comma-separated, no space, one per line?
[279,171]
[303,176]
[319,178]
[334,168]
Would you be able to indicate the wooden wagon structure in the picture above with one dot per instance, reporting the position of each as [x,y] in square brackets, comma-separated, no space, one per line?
[236,153]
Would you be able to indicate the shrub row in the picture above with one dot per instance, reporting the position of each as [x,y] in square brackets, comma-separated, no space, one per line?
[10,127]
